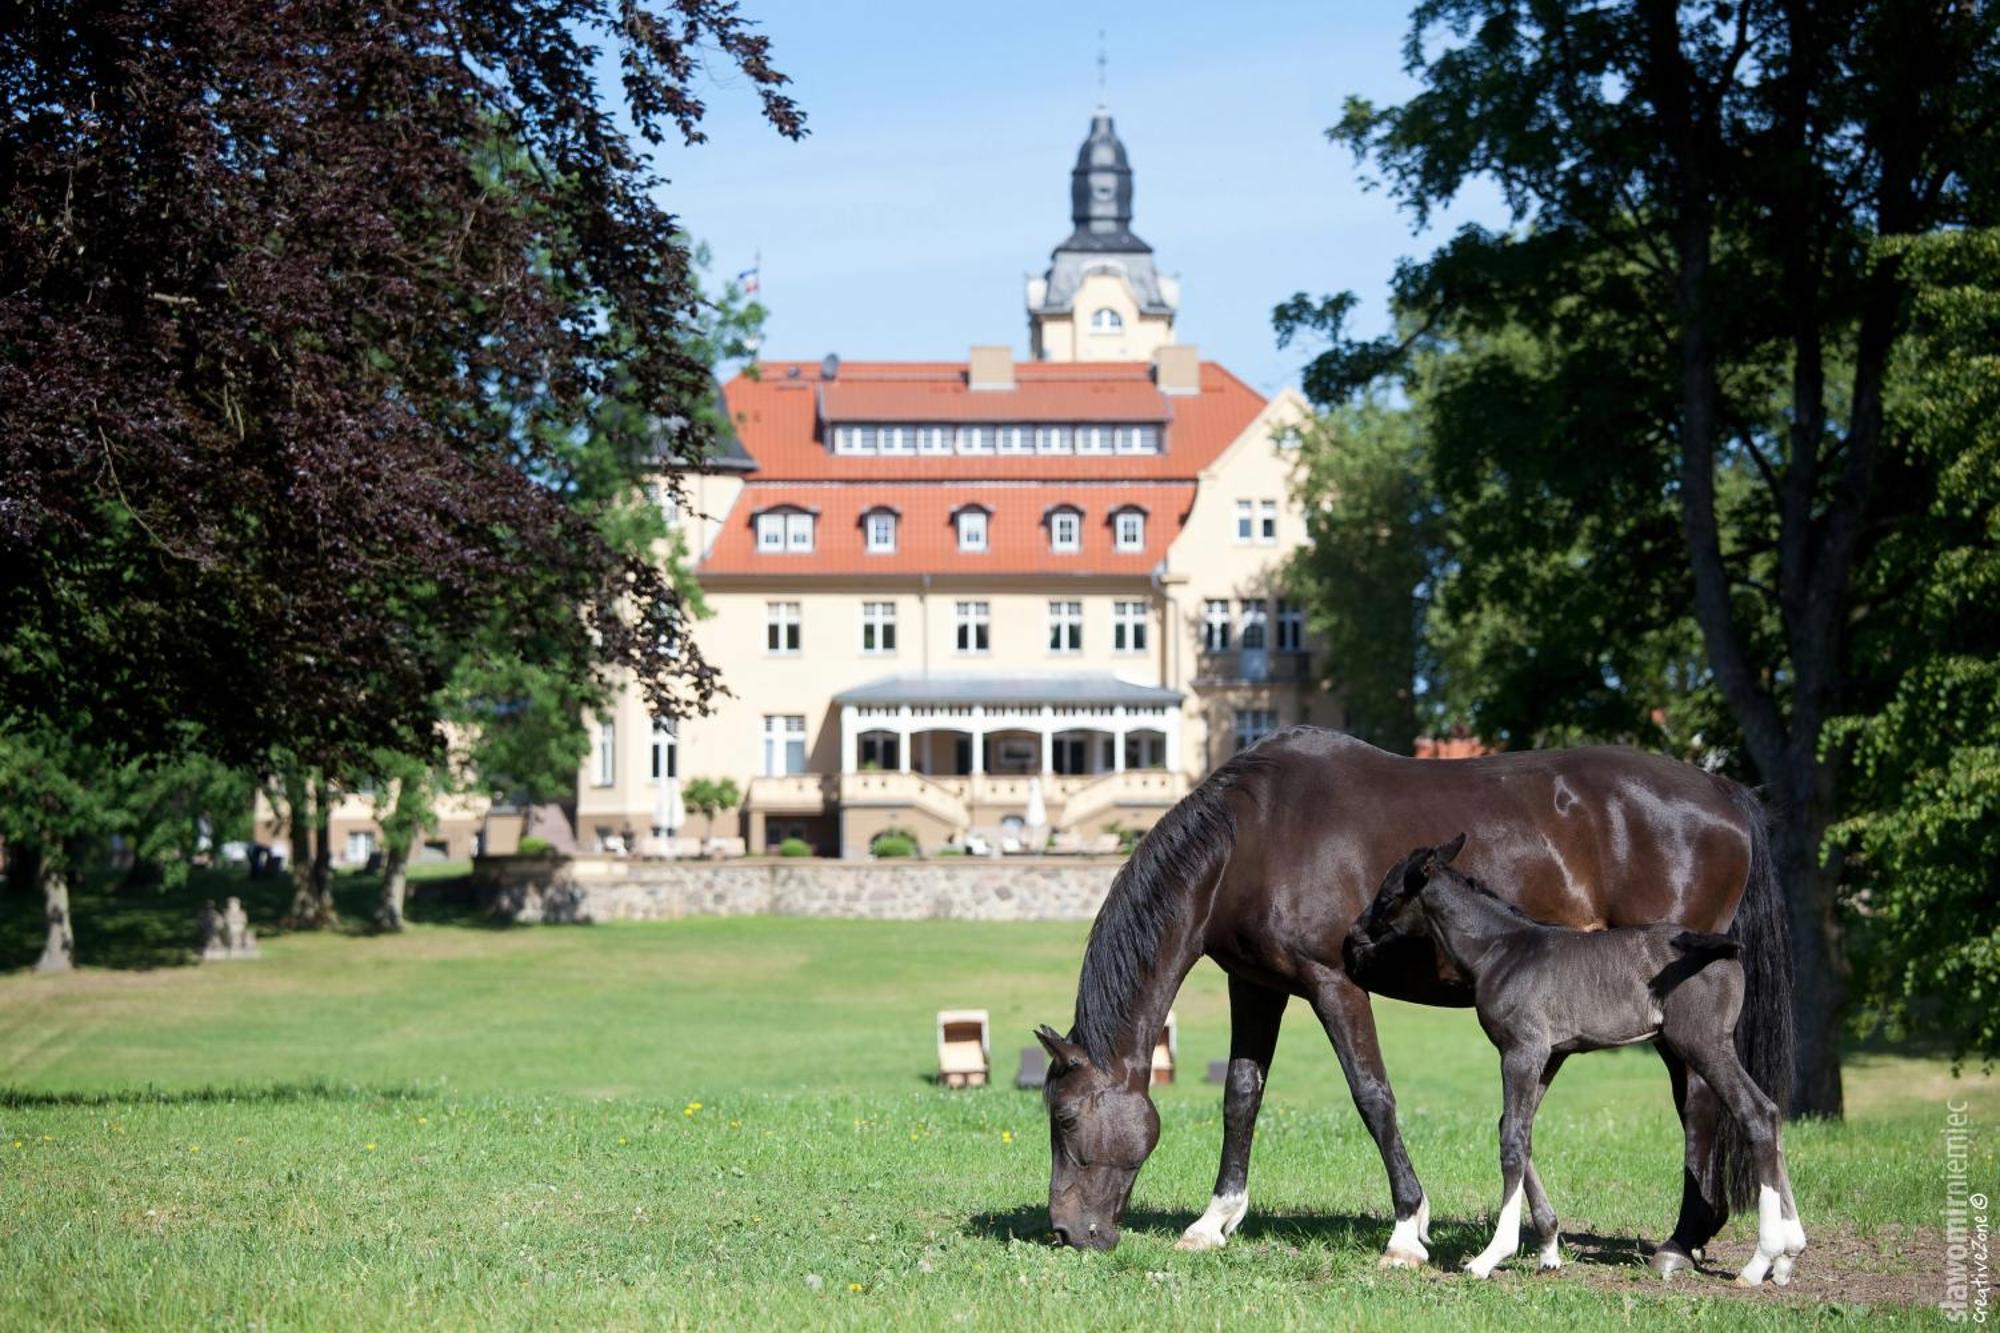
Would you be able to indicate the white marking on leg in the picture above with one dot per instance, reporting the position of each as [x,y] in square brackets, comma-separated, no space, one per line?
[1795,1244]
[1406,1242]
[1506,1238]
[1552,1258]
[1214,1228]
[1771,1237]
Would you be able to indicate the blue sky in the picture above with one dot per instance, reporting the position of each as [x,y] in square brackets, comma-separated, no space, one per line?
[936,176]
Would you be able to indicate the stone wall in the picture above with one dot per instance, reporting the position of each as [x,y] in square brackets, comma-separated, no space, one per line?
[609,888]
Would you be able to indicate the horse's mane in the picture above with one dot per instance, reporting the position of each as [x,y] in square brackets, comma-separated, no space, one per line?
[1176,856]
[1478,886]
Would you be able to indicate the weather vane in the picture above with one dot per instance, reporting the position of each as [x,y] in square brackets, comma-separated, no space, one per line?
[1102,61]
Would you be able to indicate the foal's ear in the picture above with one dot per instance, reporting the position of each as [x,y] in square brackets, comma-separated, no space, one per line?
[1449,850]
[1063,1053]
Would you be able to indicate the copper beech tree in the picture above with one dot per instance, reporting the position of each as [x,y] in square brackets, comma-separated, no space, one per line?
[332,337]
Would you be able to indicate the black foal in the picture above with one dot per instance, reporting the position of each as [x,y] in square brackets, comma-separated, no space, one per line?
[1544,992]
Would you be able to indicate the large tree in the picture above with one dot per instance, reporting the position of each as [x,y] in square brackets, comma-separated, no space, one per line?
[1741,162]
[304,309]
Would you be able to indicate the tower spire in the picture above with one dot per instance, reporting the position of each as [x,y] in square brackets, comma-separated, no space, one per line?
[1102,61]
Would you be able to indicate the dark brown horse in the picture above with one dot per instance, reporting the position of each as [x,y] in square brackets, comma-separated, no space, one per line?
[1266,865]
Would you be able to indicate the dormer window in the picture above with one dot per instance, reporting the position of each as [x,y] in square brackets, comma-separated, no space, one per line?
[1065,529]
[785,532]
[1128,529]
[971,529]
[1106,320]
[879,527]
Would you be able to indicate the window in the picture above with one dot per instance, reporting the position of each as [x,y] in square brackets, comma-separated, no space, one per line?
[661,496]
[934,439]
[1246,519]
[1106,320]
[1013,439]
[975,439]
[1267,522]
[1215,627]
[770,532]
[1128,527]
[1256,624]
[1052,439]
[878,628]
[607,753]
[781,627]
[1291,625]
[880,751]
[1065,530]
[360,846]
[880,525]
[972,529]
[666,749]
[974,626]
[896,440]
[1138,439]
[1094,439]
[784,744]
[1128,627]
[1145,749]
[1254,724]
[784,530]
[854,439]
[1065,627]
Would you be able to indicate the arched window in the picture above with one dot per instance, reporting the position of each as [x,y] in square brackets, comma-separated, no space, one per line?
[1106,320]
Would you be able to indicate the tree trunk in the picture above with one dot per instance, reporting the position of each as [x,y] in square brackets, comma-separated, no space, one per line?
[322,866]
[59,953]
[1819,984]
[395,880]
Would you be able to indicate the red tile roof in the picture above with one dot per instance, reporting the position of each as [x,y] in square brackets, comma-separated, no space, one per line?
[777,418]
[1017,540]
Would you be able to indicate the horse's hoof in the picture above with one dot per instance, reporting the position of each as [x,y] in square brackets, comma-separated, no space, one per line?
[1473,1268]
[1551,1258]
[1670,1259]
[1781,1270]
[1743,1280]
[1402,1258]
[1196,1240]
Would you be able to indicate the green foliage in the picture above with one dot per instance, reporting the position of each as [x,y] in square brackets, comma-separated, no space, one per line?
[709,797]
[1923,842]
[892,845]
[795,847]
[534,845]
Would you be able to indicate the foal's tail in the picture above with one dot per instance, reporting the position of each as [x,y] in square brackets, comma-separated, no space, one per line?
[1764,1030]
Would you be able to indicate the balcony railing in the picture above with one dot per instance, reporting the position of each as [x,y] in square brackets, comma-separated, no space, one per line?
[1253,666]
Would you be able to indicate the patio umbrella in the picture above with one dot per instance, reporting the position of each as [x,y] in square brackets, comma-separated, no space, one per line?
[668,811]
[1038,810]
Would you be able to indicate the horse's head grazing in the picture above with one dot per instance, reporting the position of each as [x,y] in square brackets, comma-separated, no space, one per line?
[1102,1127]
[1395,915]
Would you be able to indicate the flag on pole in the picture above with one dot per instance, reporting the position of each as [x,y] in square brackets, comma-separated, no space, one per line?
[748,279]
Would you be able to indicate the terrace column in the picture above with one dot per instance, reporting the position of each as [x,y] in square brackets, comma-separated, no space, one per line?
[1048,740]
[1118,727]
[850,739]
[1172,723]
[978,740]
[903,736]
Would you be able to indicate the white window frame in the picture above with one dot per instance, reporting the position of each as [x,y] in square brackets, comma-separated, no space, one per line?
[607,752]
[975,439]
[1065,521]
[1128,529]
[1066,627]
[1054,439]
[1291,625]
[783,732]
[666,749]
[1256,616]
[896,440]
[1216,625]
[784,629]
[1014,439]
[878,629]
[771,531]
[1128,626]
[854,439]
[972,533]
[1267,523]
[1095,439]
[360,846]
[1253,725]
[1138,440]
[879,528]
[1246,522]
[972,635]
[1106,320]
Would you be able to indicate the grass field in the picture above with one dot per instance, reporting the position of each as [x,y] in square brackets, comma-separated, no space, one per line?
[728,1122]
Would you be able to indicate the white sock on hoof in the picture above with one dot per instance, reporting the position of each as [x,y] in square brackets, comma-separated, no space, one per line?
[1771,1236]
[1552,1252]
[1424,1218]
[1506,1238]
[1406,1242]
[1213,1228]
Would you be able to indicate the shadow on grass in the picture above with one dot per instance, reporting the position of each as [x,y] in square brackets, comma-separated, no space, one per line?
[1452,1243]
[273,1094]
[138,929]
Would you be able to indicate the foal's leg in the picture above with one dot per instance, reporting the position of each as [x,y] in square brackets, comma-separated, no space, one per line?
[1538,1200]
[1349,1021]
[1704,1197]
[1780,1237]
[1254,1014]
[1520,1083]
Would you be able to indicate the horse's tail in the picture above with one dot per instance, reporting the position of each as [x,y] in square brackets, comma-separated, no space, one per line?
[1700,944]
[1764,1029]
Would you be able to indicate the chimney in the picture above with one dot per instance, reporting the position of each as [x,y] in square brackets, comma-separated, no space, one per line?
[1177,368]
[990,367]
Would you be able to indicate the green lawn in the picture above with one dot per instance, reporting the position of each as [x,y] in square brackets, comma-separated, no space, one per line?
[728,1122]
